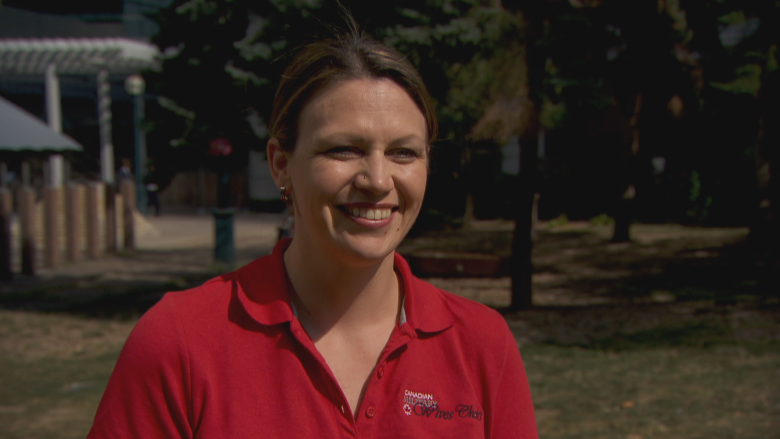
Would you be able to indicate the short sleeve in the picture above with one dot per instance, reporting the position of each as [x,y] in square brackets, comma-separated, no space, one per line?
[513,411]
[148,393]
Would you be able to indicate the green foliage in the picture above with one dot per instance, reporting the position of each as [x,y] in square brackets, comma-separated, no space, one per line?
[589,64]
[699,205]
[552,114]
[747,81]
[602,219]
[561,220]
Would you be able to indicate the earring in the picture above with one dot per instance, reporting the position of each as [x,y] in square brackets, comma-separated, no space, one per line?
[365,177]
[283,195]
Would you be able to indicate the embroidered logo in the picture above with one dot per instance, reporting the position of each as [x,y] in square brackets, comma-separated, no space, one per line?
[414,399]
[426,406]
[467,411]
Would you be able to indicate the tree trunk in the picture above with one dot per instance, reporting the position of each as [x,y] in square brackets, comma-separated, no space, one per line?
[522,241]
[764,229]
[468,213]
[622,214]
[623,217]
[468,174]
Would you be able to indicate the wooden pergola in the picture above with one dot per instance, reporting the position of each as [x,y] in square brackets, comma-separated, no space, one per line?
[99,57]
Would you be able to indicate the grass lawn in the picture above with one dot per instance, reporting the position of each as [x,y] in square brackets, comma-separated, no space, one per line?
[715,392]
[660,338]
[53,370]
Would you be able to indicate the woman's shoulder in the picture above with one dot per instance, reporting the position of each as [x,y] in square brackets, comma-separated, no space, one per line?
[471,320]
[177,310]
[194,299]
[255,291]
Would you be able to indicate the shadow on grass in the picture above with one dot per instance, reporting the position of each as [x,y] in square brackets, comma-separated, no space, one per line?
[697,334]
[672,286]
[117,287]
[122,286]
[125,300]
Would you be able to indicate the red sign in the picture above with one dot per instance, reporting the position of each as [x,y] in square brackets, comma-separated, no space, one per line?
[220,146]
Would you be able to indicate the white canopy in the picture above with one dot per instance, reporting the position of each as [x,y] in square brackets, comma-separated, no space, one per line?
[76,56]
[21,131]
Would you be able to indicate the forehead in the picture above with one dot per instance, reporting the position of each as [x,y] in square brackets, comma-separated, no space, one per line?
[374,107]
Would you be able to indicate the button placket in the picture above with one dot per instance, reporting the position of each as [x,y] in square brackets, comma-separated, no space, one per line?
[336,396]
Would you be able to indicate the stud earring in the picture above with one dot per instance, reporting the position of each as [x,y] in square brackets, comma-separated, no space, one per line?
[283,194]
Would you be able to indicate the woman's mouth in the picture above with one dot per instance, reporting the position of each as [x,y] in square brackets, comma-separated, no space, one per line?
[370,213]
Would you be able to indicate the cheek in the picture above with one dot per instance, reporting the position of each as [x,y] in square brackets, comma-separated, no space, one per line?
[325,179]
[414,182]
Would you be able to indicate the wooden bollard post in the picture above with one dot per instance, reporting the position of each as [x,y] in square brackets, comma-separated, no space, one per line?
[74,219]
[93,219]
[52,215]
[27,228]
[119,220]
[127,188]
[6,209]
[110,218]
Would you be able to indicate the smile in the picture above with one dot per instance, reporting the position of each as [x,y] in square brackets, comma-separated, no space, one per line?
[371,213]
[377,213]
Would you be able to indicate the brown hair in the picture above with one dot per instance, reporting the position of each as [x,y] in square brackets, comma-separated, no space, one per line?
[322,64]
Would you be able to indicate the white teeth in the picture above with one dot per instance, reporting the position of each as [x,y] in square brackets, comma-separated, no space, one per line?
[372,214]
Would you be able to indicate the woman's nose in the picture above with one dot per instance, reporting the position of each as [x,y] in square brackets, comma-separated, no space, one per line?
[376,176]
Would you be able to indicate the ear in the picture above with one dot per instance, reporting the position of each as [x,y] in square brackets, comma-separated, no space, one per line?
[278,160]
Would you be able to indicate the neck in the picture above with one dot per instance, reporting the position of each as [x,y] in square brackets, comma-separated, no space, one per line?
[329,295]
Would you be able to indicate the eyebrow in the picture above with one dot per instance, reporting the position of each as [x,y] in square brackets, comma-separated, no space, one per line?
[411,138]
[351,139]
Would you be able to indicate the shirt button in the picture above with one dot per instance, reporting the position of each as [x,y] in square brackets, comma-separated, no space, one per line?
[370,412]
[342,409]
[380,372]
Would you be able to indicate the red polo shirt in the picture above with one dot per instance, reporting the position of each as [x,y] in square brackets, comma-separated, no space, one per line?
[229,359]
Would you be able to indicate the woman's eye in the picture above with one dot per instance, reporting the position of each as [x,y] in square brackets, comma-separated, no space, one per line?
[343,153]
[405,154]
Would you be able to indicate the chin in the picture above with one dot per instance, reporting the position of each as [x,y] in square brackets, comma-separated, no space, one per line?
[363,250]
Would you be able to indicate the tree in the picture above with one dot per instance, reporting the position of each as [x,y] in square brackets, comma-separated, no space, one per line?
[200,93]
[741,79]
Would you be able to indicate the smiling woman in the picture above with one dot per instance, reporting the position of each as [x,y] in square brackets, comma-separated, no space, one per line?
[357,174]
[331,335]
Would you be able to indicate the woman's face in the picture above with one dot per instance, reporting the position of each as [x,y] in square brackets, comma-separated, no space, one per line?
[358,171]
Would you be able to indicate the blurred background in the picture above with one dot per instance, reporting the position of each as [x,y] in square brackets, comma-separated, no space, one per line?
[603,177]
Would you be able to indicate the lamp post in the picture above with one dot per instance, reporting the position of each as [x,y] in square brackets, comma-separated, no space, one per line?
[135,86]
[224,249]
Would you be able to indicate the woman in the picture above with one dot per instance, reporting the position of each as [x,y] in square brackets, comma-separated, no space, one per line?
[331,335]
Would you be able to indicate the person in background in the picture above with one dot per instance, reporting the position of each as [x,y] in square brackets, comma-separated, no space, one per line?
[331,335]
[125,172]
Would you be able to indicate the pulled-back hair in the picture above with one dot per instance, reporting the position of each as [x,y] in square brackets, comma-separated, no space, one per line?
[326,63]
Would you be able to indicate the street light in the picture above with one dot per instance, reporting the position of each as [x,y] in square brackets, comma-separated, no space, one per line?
[224,250]
[135,86]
